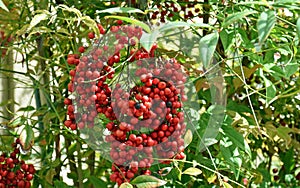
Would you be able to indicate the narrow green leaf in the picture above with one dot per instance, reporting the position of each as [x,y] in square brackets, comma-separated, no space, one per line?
[132,21]
[265,24]
[121,10]
[192,171]
[235,17]
[26,109]
[270,91]
[207,47]
[126,185]
[298,27]
[3,6]
[173,25]
[145,181]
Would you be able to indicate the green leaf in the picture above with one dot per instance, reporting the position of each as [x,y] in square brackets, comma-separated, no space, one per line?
[270,91]
[50,174]
[298,27]
[188,138]
[26,109]
[121,10]
[132,21]
[97,182]
[290,69]
[227,185]
[237,138]
[283,132]
[265,24]
[226,39]
[126,185]
[26,137]
[287,158]
[192,171]
[3,6]
[148,39]
[207,46]
[173,25]
[235,17]
[18,121]
[37,19]
[145,181]
[60,184]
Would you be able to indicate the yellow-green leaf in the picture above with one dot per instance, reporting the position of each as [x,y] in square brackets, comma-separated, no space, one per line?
[188,137]
[227,185]
[126,185]
[192,171]
[145,181]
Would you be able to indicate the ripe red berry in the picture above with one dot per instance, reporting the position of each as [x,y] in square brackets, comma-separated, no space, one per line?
[81,49]
[119,22]
[91,35]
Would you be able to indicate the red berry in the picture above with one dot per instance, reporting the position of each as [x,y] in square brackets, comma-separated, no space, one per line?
[119,22]
[81,49]
[91,35]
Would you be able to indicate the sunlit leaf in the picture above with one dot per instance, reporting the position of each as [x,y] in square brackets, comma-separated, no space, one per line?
[37,19]
[3,6]
[126,185]
[121,10]
[188,137]
[227,185]
[192,171]
[145,181]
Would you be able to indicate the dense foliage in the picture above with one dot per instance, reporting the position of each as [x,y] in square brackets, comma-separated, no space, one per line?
[236,124]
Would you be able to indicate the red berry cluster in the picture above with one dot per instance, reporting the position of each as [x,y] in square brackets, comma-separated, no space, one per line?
[91,76]
[15,172]
[5,40]
[167,10]
[151,120]
[146,121]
